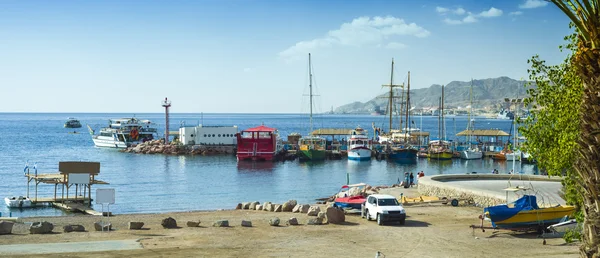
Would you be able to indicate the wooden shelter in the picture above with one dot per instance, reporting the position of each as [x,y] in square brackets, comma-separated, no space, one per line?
[80,174]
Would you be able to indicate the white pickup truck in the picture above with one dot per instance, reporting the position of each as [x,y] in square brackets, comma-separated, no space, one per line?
[384,208]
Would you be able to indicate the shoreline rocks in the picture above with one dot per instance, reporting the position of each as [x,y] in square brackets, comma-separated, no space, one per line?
[159,147]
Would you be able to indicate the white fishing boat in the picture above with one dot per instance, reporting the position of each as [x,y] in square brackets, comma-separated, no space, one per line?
[124,132]
[358,145]
[17,202]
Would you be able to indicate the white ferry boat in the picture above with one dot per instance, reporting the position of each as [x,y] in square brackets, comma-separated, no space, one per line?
[123,132]
[358,145]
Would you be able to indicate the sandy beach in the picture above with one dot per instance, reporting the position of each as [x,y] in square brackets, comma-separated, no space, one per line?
[430,231]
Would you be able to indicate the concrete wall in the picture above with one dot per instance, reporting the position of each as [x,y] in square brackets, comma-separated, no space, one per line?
[436,186]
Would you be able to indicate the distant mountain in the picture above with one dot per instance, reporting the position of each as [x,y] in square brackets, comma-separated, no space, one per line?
[487,93]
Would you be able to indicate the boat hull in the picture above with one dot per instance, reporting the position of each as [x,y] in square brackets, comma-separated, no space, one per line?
[404,155]
[359,154]
[353,202]
[311,154]
[467,154]
[439,155]
[109,143]
[516,156]
[541,217]
[17,203]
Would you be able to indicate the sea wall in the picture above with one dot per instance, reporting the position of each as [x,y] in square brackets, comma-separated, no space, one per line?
[159,147]
[438,186]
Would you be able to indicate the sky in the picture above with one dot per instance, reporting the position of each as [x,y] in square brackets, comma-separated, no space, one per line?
[251,56]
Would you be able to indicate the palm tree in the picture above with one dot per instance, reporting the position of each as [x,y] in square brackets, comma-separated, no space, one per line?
[585,15]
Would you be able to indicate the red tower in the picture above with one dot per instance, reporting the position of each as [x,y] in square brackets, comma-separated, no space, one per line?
[166,104]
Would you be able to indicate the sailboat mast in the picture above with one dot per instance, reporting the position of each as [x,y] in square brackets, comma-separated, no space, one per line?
[439,118]
[391,95]
[310,89]
[443,121]
[470,127]
[407,101]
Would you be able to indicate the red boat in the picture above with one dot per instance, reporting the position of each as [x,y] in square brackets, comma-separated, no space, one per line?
[258,143]
[350,196]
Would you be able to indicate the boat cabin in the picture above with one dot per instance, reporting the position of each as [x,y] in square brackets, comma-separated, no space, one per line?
[208,135]
[258,143]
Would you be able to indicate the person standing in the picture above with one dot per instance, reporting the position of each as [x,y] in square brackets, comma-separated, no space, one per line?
[412,179]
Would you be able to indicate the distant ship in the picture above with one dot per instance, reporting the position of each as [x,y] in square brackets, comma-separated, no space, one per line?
[377,111]
[505,114]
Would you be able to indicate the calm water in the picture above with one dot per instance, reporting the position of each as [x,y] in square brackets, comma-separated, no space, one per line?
[158,183]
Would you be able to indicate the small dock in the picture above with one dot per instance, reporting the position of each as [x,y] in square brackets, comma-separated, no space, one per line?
[72,174]
[76,207]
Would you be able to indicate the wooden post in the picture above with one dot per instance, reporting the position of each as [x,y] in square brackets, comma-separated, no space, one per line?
[55,185]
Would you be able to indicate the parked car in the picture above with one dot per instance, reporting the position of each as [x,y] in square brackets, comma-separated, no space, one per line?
[383,208]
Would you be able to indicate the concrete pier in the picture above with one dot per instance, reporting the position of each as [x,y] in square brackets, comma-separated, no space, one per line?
[488,190]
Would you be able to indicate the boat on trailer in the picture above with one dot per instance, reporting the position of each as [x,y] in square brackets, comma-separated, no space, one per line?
[350,196]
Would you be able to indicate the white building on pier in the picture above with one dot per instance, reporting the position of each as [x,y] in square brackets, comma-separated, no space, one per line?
[208,135]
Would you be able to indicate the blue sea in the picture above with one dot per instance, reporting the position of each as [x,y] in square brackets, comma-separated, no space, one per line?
[160,183]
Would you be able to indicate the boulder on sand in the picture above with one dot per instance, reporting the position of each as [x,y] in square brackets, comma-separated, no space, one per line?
[221,223]
[335,215]
[253,205]
[246,223]
[73,228]
[169,223]
[193,224]
[6,227]
[289,206]
[304,208]
[277,208]
[313,211]
[274,222]
[101,226]
[43,227]
[293,221]
[135,225]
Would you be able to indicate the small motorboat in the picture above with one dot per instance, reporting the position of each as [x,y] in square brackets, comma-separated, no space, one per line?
[525,213]
[350,196]
[17,202]
[72,123]
[562,227]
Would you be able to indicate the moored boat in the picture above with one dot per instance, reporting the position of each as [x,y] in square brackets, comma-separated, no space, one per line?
[311,147]
[72,123]
[439,150]
[258,143]
[358,145]
[124,132]
[17,202]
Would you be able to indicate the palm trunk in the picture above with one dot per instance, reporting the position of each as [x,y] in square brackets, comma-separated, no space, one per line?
[588,161]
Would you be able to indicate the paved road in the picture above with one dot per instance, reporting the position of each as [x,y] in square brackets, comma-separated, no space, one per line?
[546,192]
[71,247]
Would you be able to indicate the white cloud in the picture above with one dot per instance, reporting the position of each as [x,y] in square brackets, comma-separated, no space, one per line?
[492,12]
[468,19]
[441,9]
[459,11]
[515,13]
[530,4]
[395,45]
[362,31]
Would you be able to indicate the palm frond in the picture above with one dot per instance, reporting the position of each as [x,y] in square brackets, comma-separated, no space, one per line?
[585,15]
